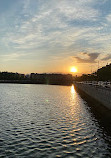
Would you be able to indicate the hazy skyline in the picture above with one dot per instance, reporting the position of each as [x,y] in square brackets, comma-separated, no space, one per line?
[53,35]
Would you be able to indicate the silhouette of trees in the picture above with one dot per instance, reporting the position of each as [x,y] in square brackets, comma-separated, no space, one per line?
[102,74]
[57,79]
[11,76]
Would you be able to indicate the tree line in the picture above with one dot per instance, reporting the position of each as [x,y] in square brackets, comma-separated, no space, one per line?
[57,79]
[102,74]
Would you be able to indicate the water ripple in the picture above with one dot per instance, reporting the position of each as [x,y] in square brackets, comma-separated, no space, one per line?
[47,122]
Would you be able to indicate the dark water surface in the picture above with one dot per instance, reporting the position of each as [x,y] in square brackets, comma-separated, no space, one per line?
[49,121]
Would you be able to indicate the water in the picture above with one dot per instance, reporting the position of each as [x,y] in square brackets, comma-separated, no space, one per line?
[49,121]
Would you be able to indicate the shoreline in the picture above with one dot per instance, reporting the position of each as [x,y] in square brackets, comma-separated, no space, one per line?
[32,82]
[100,94]
[100,112]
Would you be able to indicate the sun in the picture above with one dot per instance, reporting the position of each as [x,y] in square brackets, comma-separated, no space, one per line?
[73,69]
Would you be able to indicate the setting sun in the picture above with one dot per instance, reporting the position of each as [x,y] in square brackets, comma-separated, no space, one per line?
[73,69]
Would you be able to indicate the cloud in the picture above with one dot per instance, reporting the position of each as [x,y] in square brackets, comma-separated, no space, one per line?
[107,57]
[87,57]
[11,57]
[49,22]
[108,18]
[78,10]
[55,28]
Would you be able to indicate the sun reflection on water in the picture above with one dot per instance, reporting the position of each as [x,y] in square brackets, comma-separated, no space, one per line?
[72,89]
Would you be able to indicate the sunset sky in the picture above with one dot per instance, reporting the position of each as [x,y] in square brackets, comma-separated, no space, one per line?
[54,35]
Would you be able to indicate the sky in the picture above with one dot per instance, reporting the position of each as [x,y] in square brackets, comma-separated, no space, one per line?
[53,35]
